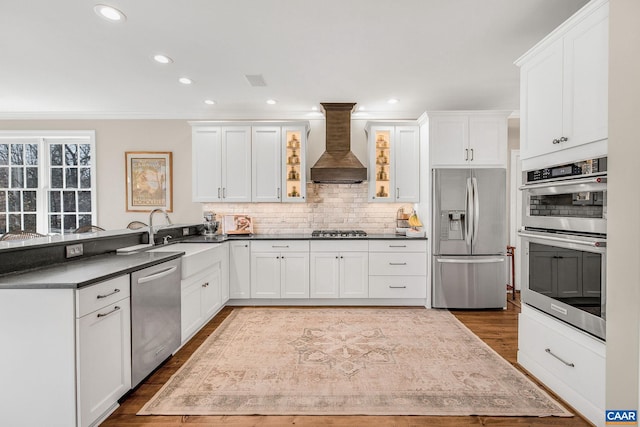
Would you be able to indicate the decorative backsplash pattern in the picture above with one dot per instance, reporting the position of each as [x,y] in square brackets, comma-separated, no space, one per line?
[328,206]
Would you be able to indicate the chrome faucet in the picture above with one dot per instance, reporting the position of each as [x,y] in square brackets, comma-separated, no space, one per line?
[151,233]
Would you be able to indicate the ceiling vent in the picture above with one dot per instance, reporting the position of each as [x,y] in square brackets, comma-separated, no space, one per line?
[255,80]
[338,165]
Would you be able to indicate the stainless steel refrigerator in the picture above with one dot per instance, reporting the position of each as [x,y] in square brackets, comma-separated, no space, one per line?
[469,238]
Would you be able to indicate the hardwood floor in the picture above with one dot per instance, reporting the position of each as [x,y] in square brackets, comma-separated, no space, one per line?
[497,328]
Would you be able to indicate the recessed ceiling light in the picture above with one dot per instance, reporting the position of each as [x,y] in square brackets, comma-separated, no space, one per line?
[361,108]
[209,101]
[392,101]
[163,59]
[314,108]
[271,101]
[185,80]
[110,13]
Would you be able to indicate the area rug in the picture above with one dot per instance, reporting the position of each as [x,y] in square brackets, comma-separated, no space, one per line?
[348,361]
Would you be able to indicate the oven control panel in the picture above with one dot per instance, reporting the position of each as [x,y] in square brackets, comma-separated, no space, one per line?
[585,167]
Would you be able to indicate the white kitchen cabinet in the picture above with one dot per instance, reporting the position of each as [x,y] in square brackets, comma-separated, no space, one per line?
[564,86]
[394,162]
[294,163]
[280,269]
[266,153]
[221,160]
[468,138]
[339,269]
[104,355]
[398,269]
[239,270]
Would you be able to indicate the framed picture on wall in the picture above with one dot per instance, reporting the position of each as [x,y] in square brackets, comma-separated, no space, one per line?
[149,181]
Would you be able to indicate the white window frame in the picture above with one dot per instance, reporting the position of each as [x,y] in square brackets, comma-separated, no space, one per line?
[44,138]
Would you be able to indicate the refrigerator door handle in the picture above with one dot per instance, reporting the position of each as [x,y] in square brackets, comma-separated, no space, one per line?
[468,220]
[470,261]
[476,209]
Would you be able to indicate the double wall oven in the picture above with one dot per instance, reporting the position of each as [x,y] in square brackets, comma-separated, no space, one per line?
[564,240]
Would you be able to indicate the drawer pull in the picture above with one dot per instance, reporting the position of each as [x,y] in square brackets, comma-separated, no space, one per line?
[116,308]
[571,365]
[279,246]
[397,246]
[115,291]
[397,263]
[398,287]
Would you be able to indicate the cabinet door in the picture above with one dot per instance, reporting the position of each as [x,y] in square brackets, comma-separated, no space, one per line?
[569,274]
[224,279]
[210,299]
[190,308]
[325,275]
[541,103]
[487,141]
[104,359]
[265,275]
[586,50]
[354,275]
[236,164]
[239,270]
[449,140]
[542,273]
[294,277]
[380,172]
[266,168]
[406,165]
[206,160]
[294,167]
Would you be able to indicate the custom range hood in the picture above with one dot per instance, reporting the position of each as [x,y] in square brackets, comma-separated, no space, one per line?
[338,165]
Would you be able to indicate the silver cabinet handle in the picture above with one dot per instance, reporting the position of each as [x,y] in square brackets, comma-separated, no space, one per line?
[466,154]
[224,192]
[116,308]
[471,155]
[162,273]
[218,192]
[397,287]
[115,291]
[278,193]
[571,365]
[397,193]
[279,246]
[397,246]
[397,263]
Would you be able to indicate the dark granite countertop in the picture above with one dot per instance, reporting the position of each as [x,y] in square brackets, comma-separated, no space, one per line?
[298,236]
[84,272]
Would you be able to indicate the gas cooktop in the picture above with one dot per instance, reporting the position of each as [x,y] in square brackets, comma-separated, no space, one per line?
[338,233]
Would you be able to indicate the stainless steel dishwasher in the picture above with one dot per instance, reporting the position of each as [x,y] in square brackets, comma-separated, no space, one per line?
[155,317]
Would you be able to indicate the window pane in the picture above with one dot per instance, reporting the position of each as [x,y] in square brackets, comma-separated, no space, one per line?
[17,177]
[17,154]
[3,223]
[85,178]
[56,178]
[31,154]
[3,201]
[30,223]
[69,223]
[55,224]
[15,222]
[84,201]
[84,220]
[32,177]
[55,151]
[72,178]
[4,154]
[69,201]
[4,177]
[14,201]
[85,154]
[55,204]
[29,203]
[71,154]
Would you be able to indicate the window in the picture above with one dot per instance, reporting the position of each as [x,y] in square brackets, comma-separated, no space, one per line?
[47,181]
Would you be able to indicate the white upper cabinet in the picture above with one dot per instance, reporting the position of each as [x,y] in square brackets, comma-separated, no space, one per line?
[468,138]
[394,162]
[564,85]
[294,169]
[266,169]
[221,160]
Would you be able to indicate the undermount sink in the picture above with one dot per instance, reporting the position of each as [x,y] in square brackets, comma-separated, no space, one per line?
[197,256]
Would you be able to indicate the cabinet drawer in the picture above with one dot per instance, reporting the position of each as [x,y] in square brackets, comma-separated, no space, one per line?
[543,341]
[398,246]
[95,297]
[339,246]
[397,264]
[280,246]
[397,286]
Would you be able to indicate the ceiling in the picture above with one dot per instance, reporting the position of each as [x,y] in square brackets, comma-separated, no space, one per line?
[61,60]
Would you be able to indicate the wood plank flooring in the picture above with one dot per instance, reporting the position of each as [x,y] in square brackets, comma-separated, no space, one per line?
[497,328]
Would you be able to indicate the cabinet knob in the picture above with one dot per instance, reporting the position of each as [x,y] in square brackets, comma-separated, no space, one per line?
[564,139]
[556,141]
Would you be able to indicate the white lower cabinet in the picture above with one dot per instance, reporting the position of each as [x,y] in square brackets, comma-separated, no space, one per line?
[103,346]
[568,361]
[239,270]
[398,269]
[339,269]
[280,269]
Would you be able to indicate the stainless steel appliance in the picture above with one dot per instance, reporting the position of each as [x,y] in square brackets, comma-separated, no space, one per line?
[338,233]
[469,238]
[567,197]
[155,317]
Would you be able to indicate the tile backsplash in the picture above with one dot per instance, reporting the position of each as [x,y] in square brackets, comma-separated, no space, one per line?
[328,206]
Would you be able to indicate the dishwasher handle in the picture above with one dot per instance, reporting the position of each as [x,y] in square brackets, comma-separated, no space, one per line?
[151,277]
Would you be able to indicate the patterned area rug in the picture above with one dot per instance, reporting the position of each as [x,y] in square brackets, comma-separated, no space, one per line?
[348,361]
